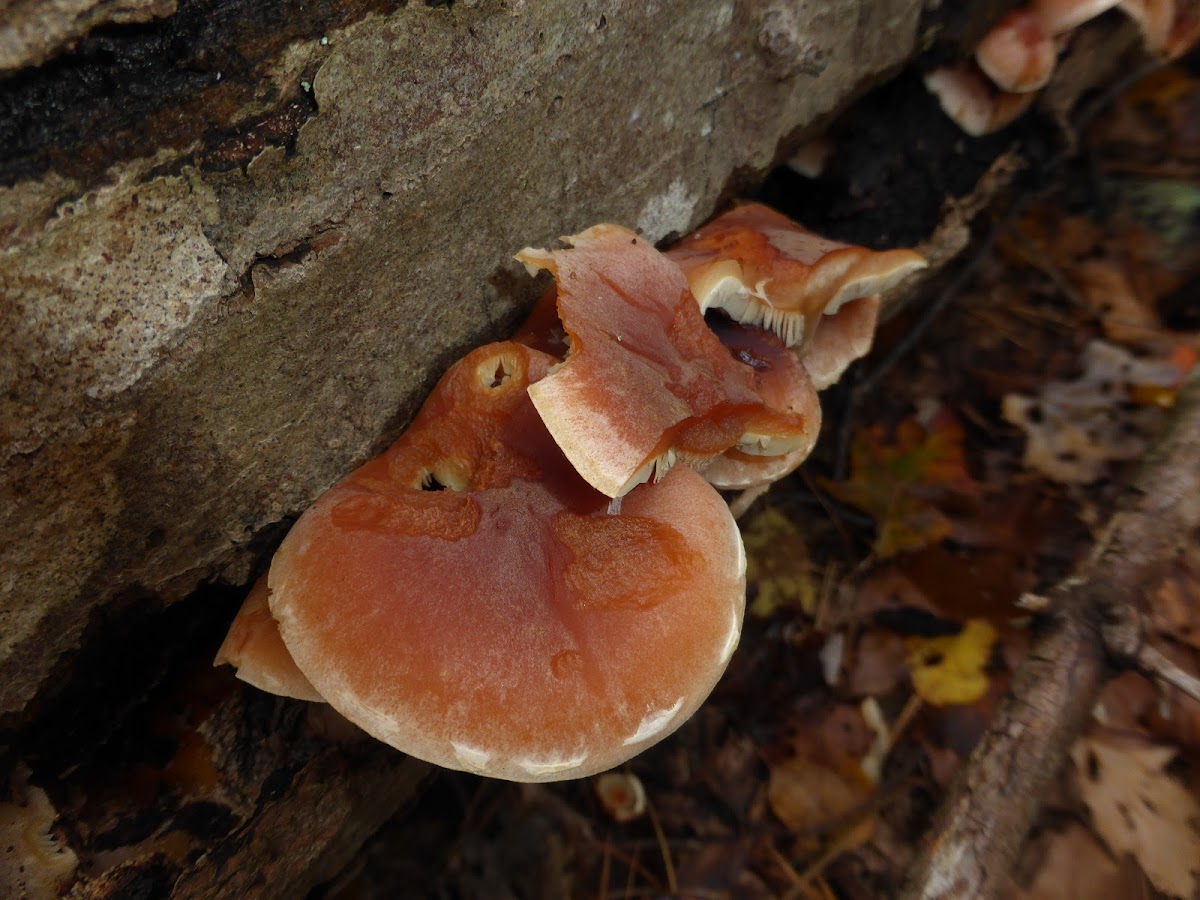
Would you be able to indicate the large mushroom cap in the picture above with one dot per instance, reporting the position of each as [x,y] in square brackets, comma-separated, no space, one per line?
[763,269]
[254,648]
[508,624]
[646,382]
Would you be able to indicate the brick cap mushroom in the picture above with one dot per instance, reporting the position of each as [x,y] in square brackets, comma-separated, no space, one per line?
[763,269]
[976,105]
[1019,53]
[646,383]
[784,383]
[508,624]
[254,647]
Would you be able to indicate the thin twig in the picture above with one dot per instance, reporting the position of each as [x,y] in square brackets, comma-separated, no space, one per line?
[1155,664]
[663,847]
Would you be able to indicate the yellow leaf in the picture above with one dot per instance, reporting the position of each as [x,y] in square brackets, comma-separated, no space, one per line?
[899,478]
[777,569]
[949,670]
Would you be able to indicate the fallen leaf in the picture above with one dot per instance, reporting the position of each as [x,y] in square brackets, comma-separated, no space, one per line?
[809,796]
[1126,317]
[1137,808]
[950,670]
[898,481]
[777,567]
[1075,428]
[1175,605]
[1075,864]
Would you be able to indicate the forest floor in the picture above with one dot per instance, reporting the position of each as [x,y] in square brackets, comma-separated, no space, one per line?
[883,624]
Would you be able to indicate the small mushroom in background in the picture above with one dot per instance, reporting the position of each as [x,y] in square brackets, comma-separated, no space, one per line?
[622,796]
[646,382]
[1018,56]
[467,598]
[1061,16]
[811,157]
[256,650]
[763,269]
[1019,53]
[976,105]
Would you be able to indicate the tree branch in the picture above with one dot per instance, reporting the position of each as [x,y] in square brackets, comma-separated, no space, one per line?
[975,839]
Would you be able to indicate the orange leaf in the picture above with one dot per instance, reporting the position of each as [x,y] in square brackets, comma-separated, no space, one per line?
[898,481]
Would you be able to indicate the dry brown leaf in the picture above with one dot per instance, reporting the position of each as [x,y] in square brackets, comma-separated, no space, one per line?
[1175,609]
[1137,808]
[1077,865]
[878,664]
[810,797]
[1126,317]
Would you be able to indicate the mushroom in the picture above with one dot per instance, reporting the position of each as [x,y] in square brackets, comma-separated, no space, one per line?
[1060,16]
[646,383]
[843,337]
[1019,53]
[256,650]
[976,105]
[763,269]
[467,598]
[783,383]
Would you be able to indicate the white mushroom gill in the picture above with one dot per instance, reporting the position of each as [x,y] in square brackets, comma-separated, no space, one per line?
[654,724]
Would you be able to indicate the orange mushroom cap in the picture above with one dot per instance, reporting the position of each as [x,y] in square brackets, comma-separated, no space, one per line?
[1061,16]
[508,624]
[646,382]
[763,269]
[976,105]
[256,650]
[1018,54]
[783,383]
[844,337]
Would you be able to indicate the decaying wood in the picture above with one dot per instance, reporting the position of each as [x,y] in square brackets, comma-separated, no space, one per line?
[1093,621]
[296,231]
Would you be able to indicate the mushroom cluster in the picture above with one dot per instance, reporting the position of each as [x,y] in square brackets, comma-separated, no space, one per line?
[538,580]
[1017,57]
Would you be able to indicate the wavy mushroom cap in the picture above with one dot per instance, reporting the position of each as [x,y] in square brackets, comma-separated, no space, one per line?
[254,647]
[646,382]
[1060,16]
[783,383]
[1156,19]
[470,600]
[763,269]
[844,337]
[1019,53]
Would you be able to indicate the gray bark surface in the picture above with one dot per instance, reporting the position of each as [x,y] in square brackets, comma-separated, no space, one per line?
[218,304]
